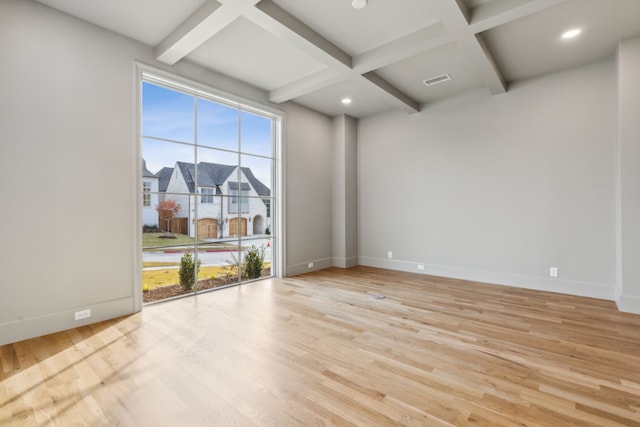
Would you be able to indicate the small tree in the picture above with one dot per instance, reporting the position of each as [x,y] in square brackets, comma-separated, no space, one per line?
[220,227]
[253,262]
[167,210]
[187,271]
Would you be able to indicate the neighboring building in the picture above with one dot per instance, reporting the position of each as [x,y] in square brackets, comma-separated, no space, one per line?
[164,176]
[230,201]
[149,197]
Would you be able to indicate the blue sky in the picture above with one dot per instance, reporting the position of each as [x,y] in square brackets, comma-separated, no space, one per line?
[170,115]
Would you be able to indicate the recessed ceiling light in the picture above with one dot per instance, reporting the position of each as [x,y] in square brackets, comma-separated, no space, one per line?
[346,101]
[358,4]
[571,33]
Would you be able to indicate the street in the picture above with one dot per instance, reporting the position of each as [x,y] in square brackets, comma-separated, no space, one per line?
[207,258]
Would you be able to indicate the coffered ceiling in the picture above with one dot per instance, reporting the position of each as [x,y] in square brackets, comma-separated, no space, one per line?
[317,52]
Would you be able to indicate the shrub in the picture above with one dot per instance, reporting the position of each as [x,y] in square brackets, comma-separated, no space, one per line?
[187,271]
[150,229]
[145,288]
[267,231]
[252,264]
[232,268]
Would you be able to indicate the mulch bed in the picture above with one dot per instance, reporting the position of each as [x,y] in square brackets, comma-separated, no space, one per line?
[171,291]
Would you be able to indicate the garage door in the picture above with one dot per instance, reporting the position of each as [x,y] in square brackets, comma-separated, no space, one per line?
[207,228]
[233,227]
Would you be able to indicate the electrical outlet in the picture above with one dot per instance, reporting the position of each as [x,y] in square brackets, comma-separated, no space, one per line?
[83,314]
[553,271]
[389,254]
[420,267]
[310,265]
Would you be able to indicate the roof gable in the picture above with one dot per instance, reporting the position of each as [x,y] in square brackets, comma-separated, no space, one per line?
[257,185]
[213,175]
[164,176]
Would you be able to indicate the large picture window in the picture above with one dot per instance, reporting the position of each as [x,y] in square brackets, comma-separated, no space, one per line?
[210,165]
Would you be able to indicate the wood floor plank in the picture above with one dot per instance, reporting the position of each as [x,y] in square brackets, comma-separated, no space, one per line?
[319,350]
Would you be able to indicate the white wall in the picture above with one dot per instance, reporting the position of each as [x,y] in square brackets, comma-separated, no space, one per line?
[149,213]
[345,192]
[69,159]
[628,177]
[497,189]
[308,187]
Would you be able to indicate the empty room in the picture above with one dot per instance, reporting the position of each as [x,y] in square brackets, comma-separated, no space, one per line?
[320,212]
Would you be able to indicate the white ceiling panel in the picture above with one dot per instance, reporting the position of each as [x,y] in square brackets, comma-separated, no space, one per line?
[248,53]
[359,30]
[408,75]
[532,46]
[328,101]
[147,21]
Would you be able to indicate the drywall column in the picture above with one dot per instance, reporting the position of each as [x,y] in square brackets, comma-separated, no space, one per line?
[628,179]
[345,190]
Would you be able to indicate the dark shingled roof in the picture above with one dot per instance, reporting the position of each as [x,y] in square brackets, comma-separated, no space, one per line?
[257,185]
[164,176]
[145,172]
[214,175]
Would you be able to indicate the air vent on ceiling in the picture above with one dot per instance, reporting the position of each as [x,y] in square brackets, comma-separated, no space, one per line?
[437,79]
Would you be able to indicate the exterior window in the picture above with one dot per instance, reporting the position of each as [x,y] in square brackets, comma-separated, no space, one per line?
[206,195]
[267,203]
[244,201]
[208,164]
[146,194]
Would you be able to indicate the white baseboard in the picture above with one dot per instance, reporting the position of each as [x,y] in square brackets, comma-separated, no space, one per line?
[318,264]
[345,262]
[31,327]
[593,290]
[627,303]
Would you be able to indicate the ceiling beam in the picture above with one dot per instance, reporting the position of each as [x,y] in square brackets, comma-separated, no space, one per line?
[455,17]
[210,18]
[213,16]
[393,95]
[417,42]
[283,25]
[423,40]
[305,85]
[287,27]
[458,25]
[498,12]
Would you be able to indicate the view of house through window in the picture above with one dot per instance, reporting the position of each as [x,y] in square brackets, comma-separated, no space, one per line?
[207,192]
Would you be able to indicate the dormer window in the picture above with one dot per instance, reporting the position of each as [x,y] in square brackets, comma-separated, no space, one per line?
[206,195]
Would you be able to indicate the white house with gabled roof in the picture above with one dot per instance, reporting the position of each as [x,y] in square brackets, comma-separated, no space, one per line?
[228,201]
[149,197]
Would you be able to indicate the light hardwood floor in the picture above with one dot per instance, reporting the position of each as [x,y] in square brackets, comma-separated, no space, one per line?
[318,350]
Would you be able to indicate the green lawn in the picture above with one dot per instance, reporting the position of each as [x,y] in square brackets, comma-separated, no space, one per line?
[146,264]
[151,240]
[156,278]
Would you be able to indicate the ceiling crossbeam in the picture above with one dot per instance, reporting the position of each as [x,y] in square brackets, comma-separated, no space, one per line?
[210,18]
[213,16]
[499,12]
[455,17]
[457,24]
